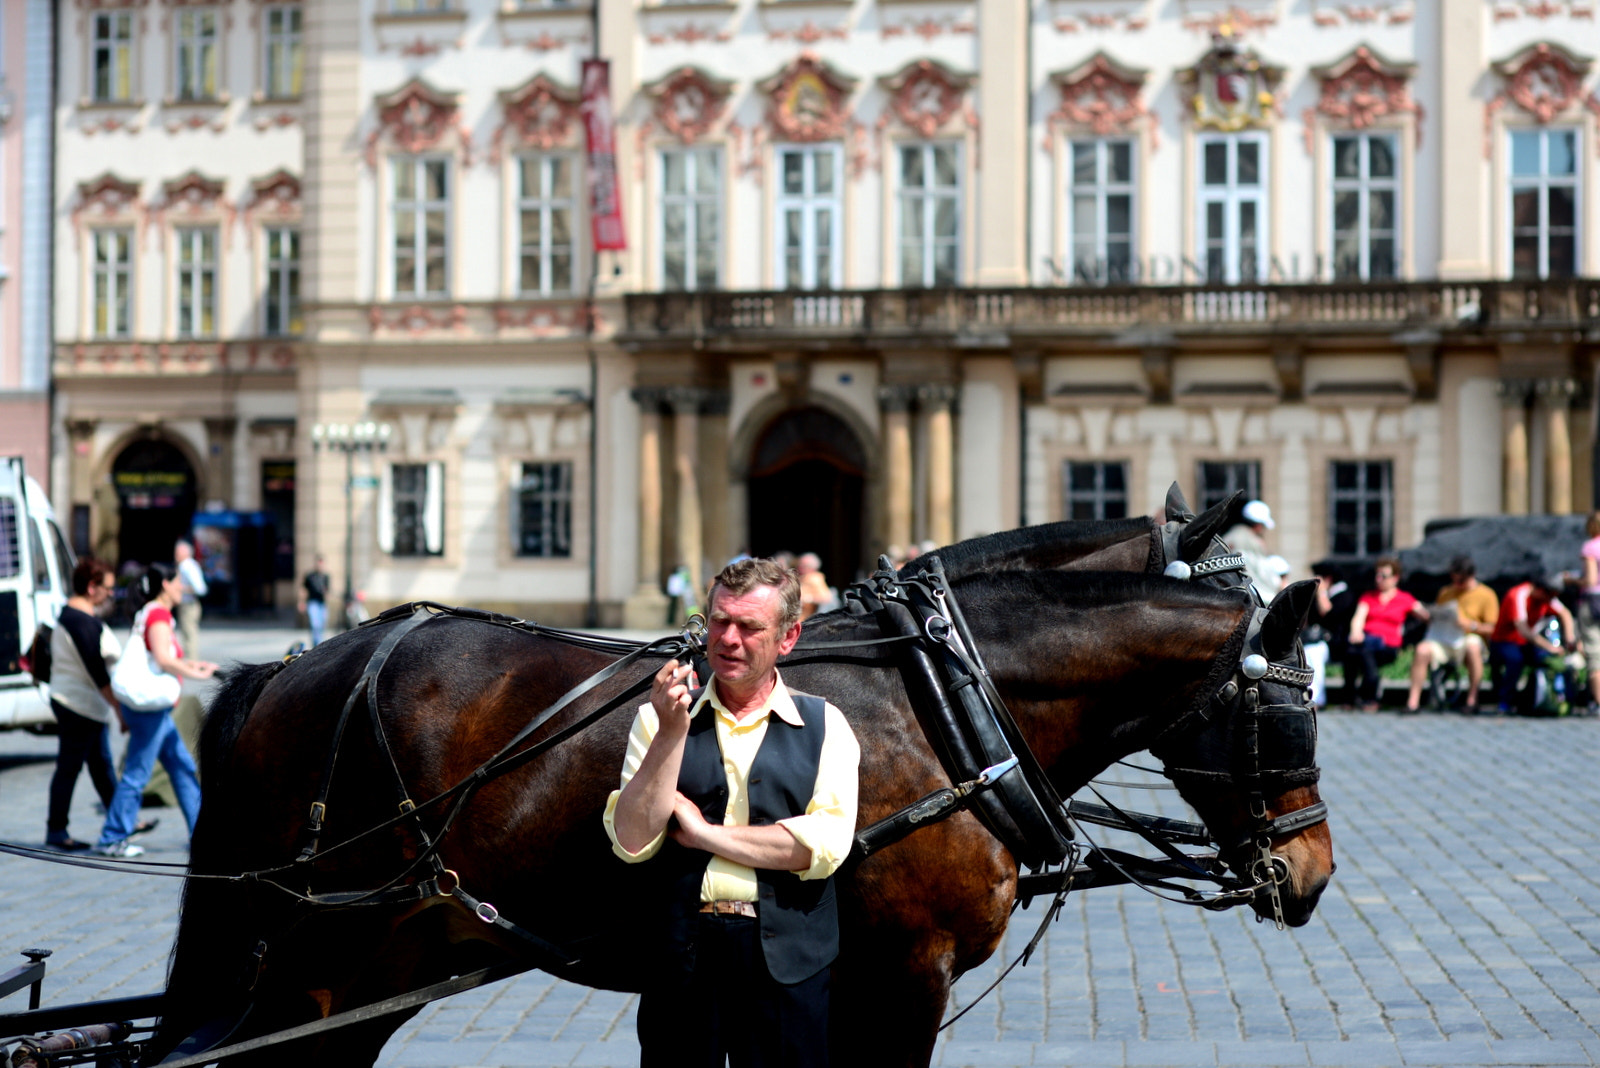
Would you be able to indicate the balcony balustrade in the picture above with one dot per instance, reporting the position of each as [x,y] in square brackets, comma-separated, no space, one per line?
[885,315]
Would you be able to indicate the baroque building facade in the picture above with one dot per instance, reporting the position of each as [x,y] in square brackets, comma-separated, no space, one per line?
[895,270]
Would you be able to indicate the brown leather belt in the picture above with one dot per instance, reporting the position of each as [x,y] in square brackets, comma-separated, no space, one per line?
[730,908]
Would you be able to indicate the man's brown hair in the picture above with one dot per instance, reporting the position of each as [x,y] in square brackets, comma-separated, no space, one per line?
[742,576]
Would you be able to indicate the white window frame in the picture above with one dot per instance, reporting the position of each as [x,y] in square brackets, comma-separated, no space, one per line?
[112,286]
[1543,182]
[546,204]
[695,204]
[195,258]
[419,207]
[196,51]
[431,519]
[810,204]
[1364,185]
[1233,197]
[927,242]
[283,51]
[283,282]
[120,51]
[1102,189]
[1361,495]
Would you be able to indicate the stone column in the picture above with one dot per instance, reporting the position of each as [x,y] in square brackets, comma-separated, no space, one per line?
[80,480]
[1513,401]
[646,609]
[936,402]
[219,461]
[1555,397]
[685,402]
[896,404]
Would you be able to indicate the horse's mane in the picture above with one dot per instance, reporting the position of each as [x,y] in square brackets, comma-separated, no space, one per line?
[1090,589]
[1010,546]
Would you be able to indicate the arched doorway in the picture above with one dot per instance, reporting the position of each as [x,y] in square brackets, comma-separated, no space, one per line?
[156,495]
[807,474]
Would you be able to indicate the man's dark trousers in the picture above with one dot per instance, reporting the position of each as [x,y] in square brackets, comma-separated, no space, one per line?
[729,1007]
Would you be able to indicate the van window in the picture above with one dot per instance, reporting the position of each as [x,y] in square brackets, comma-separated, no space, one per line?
[64,558]
[41,566]
[10,547]
[36,544]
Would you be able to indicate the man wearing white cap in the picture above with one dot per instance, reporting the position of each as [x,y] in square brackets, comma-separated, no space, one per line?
[1248,539]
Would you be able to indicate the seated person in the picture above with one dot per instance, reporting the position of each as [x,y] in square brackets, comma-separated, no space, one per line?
[1516,643]
[1376,632]
[1460,626]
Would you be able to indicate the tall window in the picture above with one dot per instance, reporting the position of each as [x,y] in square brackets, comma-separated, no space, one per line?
[809,216]
[1220,479]
[113,283]
[1365,198]
[197,53]
[282,304]
[197,281]
[691,218]
[421,226]
[285,58]
[930,214]
[1095,490]
[1233,206]
[545,205]
[1101,214]
[1360,507]
[111,57]
[412,520]
[1544,203]
[544,510]
[401,7]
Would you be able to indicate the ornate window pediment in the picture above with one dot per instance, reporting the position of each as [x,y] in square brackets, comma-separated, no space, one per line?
[418,118]
[1231,88]
[276,196]
[1543,80]
[809,100]
[925,95]
[688,102]
[107,199]
[540,113]
[1099,95]
[193,192]
[1362,89]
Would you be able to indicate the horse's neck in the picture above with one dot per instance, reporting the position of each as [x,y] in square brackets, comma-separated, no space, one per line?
[1091,685]
[1054,545]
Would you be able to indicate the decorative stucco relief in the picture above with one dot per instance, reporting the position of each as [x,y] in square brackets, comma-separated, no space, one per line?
[1545,80]
[1231,88]
[107,199]
[688,103]
[808,100]
[541,113]
[417,118]
[1359,91]
[1101,96]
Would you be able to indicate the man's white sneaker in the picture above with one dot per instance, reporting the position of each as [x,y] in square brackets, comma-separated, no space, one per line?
[122,850]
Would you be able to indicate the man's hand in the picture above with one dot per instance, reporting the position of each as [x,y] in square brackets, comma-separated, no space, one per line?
[669,695]
[691,823]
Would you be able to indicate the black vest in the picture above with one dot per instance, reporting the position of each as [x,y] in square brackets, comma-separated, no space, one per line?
[799,919]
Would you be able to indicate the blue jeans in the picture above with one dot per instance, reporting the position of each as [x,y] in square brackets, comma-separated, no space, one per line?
[317,617]
[151,736]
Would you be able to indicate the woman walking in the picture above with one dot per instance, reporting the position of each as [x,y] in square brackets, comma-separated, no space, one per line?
[152,734]
[82,650]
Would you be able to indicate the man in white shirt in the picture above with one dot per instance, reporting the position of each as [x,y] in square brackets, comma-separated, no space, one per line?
[194,588]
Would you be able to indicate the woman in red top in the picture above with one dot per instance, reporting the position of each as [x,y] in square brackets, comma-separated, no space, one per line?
[1376,631]
[152,735]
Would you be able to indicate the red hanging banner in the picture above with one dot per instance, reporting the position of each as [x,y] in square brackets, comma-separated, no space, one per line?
[599,124]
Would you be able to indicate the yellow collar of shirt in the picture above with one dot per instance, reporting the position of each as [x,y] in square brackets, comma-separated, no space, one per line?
[778,701]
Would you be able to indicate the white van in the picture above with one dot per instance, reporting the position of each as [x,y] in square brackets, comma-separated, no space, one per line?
[35,581]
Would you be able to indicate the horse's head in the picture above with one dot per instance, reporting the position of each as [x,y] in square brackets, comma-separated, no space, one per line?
[1250,770]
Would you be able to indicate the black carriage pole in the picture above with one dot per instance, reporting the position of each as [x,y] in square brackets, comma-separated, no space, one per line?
[350,438]
[591,610]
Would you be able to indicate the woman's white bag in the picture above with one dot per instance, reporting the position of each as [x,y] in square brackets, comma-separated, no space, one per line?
[137,681]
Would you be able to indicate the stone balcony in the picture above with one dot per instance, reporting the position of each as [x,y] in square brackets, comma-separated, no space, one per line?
[1127,316]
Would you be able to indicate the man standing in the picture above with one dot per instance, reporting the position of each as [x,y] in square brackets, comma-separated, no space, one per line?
[1459,636]
[194,588]
[1248,538]
[314,600]
[744,793]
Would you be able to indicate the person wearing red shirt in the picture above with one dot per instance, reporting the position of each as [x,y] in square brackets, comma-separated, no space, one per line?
[1524,606]
[1376,632]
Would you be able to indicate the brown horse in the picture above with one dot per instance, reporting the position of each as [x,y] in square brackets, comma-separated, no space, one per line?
[1094,667]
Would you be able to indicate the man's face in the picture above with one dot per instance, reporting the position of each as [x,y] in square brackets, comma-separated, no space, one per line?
[745,637]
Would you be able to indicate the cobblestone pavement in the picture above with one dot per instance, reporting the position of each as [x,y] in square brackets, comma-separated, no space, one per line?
[1460,929]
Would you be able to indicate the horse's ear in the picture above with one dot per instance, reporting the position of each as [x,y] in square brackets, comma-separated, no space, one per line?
[1286,616]
[1195,538]
[1177,506]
